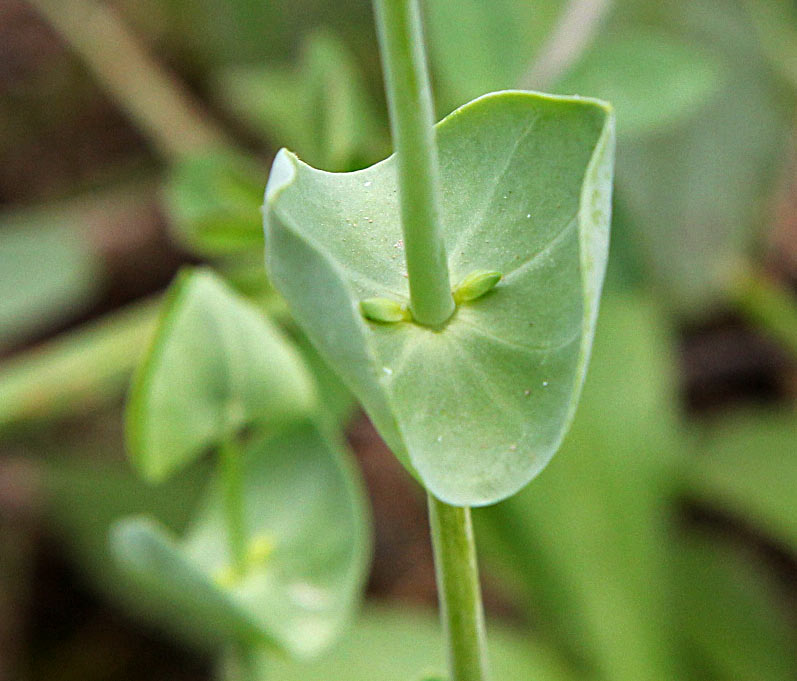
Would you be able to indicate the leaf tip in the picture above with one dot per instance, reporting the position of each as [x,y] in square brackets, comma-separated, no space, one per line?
[283,172]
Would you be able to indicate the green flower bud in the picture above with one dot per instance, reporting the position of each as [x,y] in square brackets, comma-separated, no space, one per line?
[384,310]
[475,285]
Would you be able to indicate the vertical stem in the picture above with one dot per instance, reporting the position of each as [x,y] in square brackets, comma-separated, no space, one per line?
[409,99]
[232,491]
[458,590]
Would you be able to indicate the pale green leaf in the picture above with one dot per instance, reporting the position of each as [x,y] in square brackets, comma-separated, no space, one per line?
[478,408]
[698,192]
[321,108]
[213,201]
[651,78]
[391,645]
[215,366]
[303,502]
[48,271]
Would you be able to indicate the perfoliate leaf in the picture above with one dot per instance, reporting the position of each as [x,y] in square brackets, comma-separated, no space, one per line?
[307,523]
[215,366]
[477,408]
[213,200]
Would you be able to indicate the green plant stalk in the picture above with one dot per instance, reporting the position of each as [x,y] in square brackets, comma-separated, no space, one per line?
[458,590]
[77,371]
[234,510]
[157,103]
[409,99]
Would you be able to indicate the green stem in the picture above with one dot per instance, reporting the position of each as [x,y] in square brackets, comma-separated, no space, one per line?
[77,371]
[458,590]
[233,493]
[412,122]
[153,98]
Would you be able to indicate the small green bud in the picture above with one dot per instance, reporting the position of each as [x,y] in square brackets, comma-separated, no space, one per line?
[227,577]
[475,285]
[259,551]
[384,310]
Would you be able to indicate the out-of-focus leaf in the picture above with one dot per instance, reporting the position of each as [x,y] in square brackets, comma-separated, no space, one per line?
[652,79]
[398,645]
[77,371]
[730,614]
[215,366]
[697,192]
[776,24]
[478,408]
[479,46]
[48,272]
[321,109]
[213,201]
[85,498]
[748,466]
[309,547]
[584,542]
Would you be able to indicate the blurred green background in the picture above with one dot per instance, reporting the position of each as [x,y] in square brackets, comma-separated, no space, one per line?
[661,542]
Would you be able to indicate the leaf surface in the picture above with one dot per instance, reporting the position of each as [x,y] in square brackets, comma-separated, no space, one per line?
[475,409]
[304,499]
[584,541]
[215,366]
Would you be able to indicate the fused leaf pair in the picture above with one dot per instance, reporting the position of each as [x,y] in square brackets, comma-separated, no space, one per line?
[218,371]
[476,409]
[308,549]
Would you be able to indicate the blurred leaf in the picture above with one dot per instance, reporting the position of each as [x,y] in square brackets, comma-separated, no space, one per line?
[320,109]
[776,24]
[526,186]
[48,272]
[652,79]
[584,542]
[767,303]
[308,527]
[84,498]
[214,203]
[394,645]
[730,614]
[215,366]
[479,46]
[748,467]
[77,371]
[697,193]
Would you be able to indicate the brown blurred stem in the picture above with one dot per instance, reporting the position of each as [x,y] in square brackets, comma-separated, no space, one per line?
[159,105]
